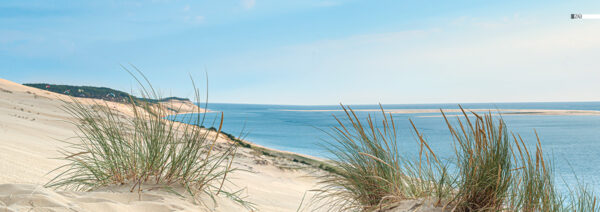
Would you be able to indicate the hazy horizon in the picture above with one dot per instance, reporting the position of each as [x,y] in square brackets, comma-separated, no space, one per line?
[384,104]
[408,103]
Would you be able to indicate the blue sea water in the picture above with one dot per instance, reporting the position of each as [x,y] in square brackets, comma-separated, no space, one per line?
[573,142]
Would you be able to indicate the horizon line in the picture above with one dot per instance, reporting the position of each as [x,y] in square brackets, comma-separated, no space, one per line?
[443,103]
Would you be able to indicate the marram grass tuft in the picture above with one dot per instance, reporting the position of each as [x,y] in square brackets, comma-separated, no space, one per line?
[493,170]
[144,148]
[370,173]
[484,161]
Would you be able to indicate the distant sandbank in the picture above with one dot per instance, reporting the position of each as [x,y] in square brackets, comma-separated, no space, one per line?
[496,111]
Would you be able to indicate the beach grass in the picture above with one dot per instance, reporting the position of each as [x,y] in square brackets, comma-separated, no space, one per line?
[493,169]
[583,199]
[371,174]
[484,160]
[535,189]
[145,149]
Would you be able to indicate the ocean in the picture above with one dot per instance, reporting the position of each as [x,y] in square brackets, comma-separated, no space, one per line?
[572,141]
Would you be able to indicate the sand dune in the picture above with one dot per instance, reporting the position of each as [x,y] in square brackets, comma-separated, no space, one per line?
[32,125]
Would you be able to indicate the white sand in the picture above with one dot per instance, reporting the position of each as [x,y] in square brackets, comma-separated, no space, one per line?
[31,125]
[26,197]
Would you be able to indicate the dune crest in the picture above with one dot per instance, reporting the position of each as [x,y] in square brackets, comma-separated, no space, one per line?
[33,126]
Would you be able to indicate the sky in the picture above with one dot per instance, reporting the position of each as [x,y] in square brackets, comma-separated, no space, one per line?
[311,52]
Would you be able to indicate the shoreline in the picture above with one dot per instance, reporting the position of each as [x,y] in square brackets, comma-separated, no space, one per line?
[312,161]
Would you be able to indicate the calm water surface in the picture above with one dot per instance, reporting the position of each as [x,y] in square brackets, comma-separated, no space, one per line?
[573,141]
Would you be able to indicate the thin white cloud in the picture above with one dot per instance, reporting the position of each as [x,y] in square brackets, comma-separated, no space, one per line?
[248,4]
[480,62]
[187,8]
[199,19]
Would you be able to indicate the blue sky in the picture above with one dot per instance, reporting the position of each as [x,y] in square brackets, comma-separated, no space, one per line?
[311,51]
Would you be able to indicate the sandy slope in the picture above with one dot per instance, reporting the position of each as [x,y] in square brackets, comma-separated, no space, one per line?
[31,123]
[25,197]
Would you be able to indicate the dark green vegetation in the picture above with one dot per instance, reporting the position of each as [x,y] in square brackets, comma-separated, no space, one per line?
[495,170]
[108,94]
[144,150]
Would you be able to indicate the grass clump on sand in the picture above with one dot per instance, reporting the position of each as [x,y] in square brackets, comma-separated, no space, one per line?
[493,169]
[497,172]
[370,173]
[484,162]
[144,149]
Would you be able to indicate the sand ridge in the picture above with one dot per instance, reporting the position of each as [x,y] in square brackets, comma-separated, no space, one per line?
[32,126]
